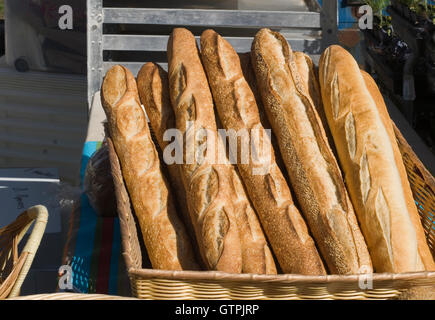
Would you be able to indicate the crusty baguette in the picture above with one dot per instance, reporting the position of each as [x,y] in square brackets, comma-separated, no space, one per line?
[248,73]
[312,167]
[269,192]
[218,207]
[257,257]
[154,92]
[153,87]
[423,247]
[309,78]
[165,237]
[365,145]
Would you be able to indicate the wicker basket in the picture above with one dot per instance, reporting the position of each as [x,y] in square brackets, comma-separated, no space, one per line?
[14,266]
[147,283]
[71,296]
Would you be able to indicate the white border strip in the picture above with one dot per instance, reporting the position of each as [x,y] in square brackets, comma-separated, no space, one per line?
[29,179]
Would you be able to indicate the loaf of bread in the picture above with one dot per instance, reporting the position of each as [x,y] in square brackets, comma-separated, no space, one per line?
[229,235]
[153,87]
[154,93]
[310,79]
[268,190]
[164,235]
[248,73]
[424,249]
[257,257]
[375,174]
[313,170]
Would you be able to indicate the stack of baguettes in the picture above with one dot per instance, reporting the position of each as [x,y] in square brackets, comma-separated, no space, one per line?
[355,215]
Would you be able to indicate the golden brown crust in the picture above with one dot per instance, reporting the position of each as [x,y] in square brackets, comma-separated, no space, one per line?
[207,184]
[248,73]
[312,167]
[365,149]
[237,109]
[164,235]
[423,247]
[256,255]
[153,87]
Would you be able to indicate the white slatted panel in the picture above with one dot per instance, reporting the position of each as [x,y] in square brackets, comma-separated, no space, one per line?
[302,29]
[43,121]
[210,17]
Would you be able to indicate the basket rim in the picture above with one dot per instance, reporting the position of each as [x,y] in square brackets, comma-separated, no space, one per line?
[282,278]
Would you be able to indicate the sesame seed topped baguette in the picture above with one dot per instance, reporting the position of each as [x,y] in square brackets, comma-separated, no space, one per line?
[165,237]
[248,73]
[269,192]
[257,257]
[313,170]
[310,79]
[370,159]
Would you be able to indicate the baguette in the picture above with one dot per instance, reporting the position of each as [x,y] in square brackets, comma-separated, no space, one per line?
[154,92]
[165,237]
[310,79]
[374,171]
[257,257]
[312,168]
[249,75]
[217,205]
[307,72]
[153,87]
[424,249]
[270,194]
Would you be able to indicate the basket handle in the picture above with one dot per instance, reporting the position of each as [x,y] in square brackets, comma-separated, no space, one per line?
[39,214]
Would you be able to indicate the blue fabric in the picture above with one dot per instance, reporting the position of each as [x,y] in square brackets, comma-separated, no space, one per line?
[84,277]
[114,259]
[85,235]
[84,246]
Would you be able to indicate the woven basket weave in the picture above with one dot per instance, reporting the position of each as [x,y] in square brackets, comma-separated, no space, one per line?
[147,283]
[15,265]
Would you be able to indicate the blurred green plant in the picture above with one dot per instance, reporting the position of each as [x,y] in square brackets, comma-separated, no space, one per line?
[418,6]
[378,7]
[2,9]
[427,8]
[408,3]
